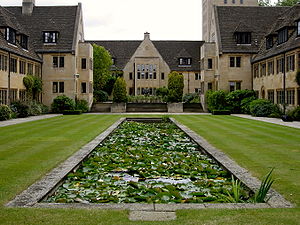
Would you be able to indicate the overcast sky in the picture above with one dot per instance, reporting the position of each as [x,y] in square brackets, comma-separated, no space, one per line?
[129,19]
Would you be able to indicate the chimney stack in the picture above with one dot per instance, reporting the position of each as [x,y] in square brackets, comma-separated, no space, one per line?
[147,36]
[27,7]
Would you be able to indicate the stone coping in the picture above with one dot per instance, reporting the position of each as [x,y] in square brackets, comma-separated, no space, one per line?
[44,187]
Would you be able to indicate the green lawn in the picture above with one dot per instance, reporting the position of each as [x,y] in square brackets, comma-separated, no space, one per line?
[28,151]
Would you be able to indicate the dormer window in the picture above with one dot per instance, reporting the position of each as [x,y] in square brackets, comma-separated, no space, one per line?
[269,42]
[24,41]
[282,36]
[10,35]
[243,37]
[185,61]
[298,28]
[50,37]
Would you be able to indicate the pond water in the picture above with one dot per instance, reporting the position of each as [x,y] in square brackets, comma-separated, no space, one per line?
[145,163]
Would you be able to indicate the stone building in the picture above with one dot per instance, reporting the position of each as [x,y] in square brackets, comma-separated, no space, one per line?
[233,37]
[278,60]
[46,41]
[145,65]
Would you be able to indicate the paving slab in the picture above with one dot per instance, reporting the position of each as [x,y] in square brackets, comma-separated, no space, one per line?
[27,119]
[294,124]
[151,216]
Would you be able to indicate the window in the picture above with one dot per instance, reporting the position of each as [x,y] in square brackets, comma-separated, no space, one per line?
[269,42]
[58,61]
[255,71]
[147,76]
[139,75]
[209,86]
[10,35]
[162,76]
[3,96]
[142,75]
[235,61]
[225,1]
[233,1]
[241,1]
[150,75]
[282,36]
[197,90]
[243,37]
[209,64]
[22,68]
[58,87]
[263,69]
[50,37]
[3,62]
[154,75]
[280,97]
[30,68]
[280,65]
[83,64]
[13,65]
[37,70]
[234,85]
[197,76]
[22,95]
[290,94]
[83,87]
[185,61]
[298,28]
[290,63]
[131,91]
[13,95]
[271,95]
[270,68]
[130,76]
[24,41]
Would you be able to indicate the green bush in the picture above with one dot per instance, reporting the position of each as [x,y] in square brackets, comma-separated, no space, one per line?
[162,91]
[35,109]
[5,113]
[82,105]
[72,112]
[221,112]
[21,109]
[119,91]
[109,84]
[234,99]
[262,108]
[62,103]
[175,87]
[245,104]
[100,96]
[295,113]
[216,100]
[191,98]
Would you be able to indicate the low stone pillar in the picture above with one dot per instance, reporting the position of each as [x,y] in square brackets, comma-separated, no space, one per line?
[118,108]
[175,107]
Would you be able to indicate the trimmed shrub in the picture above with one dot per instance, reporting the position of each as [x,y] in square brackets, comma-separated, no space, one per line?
[82,105]
[295,113]
[100,96]
[35,109]
[72,112]
[5,113]
[119,91]
[175,87]
[262,108]
[191,98]
[62,103]
[21,109]
[216,100]
[235,98]
[221,112]
[245,104]
[163,92]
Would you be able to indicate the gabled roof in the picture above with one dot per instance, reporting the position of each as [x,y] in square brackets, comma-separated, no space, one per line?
[8,19]
[63,19]
[256,19]
[122,51]
[287,19]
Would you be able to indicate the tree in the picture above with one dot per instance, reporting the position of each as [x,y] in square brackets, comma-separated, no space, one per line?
[287,2]
[102,66]
[119,91]
[264,3]
[175,87]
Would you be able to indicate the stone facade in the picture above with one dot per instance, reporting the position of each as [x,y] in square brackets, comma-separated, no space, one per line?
[55,51]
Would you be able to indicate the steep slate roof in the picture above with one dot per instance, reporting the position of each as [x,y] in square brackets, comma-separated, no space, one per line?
[63,19]
[256,18]
[122,51]
[8,19]
[287,19]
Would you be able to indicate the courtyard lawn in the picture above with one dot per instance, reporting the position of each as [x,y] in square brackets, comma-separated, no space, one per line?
[30,150]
